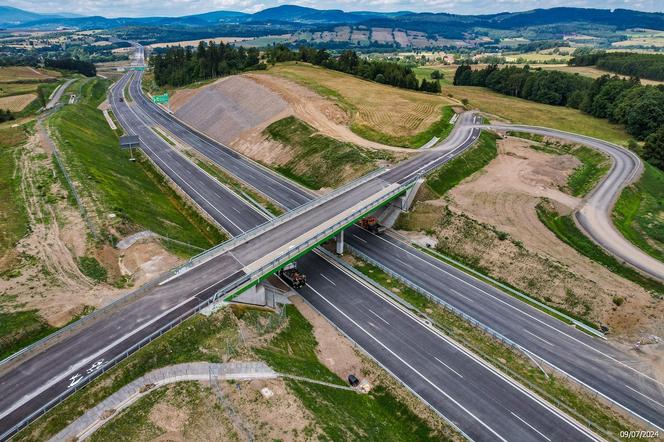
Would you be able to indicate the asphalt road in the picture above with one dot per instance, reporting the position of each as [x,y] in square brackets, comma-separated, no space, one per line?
[61,366]
[594,215]
[229,211]
[57,94]
[603,368]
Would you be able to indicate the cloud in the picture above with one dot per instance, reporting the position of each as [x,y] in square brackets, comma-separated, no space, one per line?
[134,8]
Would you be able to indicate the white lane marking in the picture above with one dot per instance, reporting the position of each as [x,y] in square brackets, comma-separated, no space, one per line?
[449,368]
[530,426]
[235,209]
[515,308]
[180,177]
[378,316]
[404,263]
[328,279]
[435,387]
[364,241]
[541,339]
[647,397]
[463,296]
[74,367]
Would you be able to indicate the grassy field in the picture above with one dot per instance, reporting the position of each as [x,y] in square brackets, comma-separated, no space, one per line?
[318,160]
[639,212]
[517,110]
[455,171]
[134,191]
[13,219]
[376,416]
[19,329]
[565,229]
[25,73]
[594,165]
[378,112]
[501,356]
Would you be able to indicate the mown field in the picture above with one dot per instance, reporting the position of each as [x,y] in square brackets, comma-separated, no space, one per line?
[517,110]
[379,113]
[134,191]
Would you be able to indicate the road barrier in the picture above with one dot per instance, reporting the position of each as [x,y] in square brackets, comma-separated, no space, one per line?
[488,330]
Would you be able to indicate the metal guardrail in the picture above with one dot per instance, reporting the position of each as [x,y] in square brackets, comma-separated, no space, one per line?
[511,373]
[311,242]
[87,379]
[194,261]
[465,342]
[252,233]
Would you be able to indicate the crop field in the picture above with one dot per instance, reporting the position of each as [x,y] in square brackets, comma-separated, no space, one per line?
[16,103]
[23,73]
[381,113]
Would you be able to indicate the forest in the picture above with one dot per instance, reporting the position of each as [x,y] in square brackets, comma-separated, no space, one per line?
[178,66]
[350,62]
[632,64]
[71,64]
[640,108]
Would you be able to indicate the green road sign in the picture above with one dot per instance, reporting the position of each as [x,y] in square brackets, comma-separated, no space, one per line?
[138,68]
[160,99]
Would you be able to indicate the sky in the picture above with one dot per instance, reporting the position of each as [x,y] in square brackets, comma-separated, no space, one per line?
[138,8]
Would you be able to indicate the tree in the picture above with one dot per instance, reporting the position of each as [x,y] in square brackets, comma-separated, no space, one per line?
[436,75]
[653,150]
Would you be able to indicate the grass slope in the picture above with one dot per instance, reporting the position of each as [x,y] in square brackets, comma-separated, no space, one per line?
[639,212]
[455,171]
[135,192]
[565,229]
[13,218]
[318,160]
[342,414]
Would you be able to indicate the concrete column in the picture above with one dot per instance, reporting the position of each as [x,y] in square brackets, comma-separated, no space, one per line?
[340,243]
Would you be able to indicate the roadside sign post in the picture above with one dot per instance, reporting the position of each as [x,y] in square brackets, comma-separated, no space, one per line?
[161,99]
[130,142]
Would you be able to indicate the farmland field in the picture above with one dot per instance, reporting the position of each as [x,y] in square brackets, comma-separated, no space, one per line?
[22,73]
[378,112]
[16,103]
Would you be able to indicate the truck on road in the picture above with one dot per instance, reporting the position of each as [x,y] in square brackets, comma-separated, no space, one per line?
[371,224]
[292,276]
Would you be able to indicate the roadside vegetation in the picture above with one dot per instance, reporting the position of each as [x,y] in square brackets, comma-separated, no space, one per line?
[456,170]
[377,112]
[565,229]
[137,195]
[286,342]
[317,160]
[639,212]
[515,365]
[342,414]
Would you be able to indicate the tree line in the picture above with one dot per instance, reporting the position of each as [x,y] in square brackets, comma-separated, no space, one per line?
[350,62]
[178,66]
[650,66]
[6,115]
[72,64]
[625,101]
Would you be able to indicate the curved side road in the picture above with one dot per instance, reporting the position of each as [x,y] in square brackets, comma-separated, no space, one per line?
[594,215]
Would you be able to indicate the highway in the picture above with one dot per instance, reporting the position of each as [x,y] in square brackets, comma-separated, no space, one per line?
[594,215]
[590,361]
[512,413]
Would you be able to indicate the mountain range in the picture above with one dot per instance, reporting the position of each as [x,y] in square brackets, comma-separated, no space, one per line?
[303,17]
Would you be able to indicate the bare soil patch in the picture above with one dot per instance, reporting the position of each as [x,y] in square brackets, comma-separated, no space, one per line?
[471,223]
[44,274]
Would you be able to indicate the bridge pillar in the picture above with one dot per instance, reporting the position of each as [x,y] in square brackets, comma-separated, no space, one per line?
[340,243]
